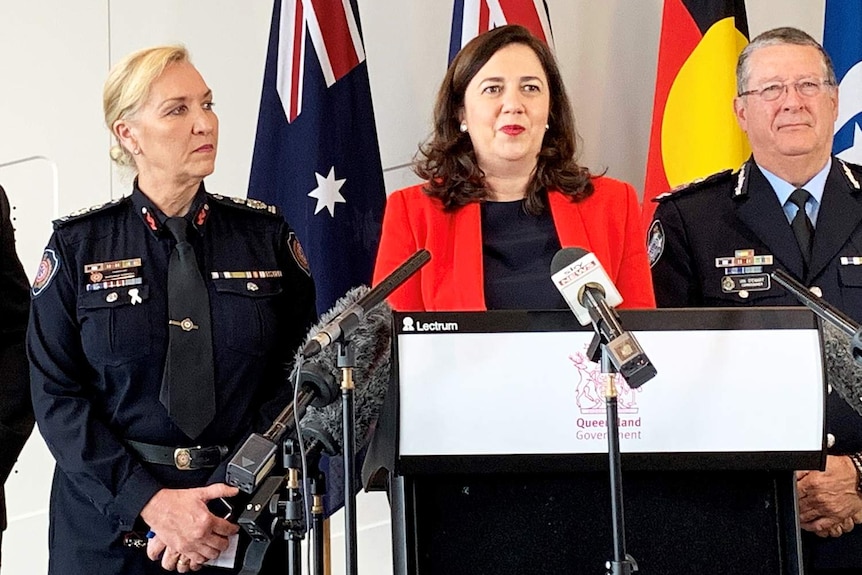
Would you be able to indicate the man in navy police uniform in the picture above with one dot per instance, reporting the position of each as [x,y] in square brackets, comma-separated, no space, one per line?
[713,243]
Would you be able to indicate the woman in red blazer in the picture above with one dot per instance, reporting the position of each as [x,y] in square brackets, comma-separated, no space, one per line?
[504,191]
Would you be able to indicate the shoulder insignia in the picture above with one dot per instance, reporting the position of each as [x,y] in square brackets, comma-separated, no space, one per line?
[740,188]
[655,242]
[695,185]
[848,173]
[48,267]
[298,253]
[86,212]
[247,203]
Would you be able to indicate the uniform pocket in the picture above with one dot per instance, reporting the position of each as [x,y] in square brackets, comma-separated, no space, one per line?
[850,276]
[116,324]
[248,308]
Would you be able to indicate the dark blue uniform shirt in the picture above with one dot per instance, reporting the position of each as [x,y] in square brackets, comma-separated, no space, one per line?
[97,341]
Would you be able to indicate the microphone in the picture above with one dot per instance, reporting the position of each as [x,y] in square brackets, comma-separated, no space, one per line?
[372,338]
[590,293]
[372,341]
[349,319]
[843,371]
[818,305]
[251,464]
[575,271]
[842,348]
[371,331]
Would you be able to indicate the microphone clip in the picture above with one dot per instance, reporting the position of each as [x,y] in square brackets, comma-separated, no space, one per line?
[622,349]
[626,356]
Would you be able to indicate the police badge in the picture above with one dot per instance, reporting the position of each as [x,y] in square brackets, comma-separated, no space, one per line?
[655,242]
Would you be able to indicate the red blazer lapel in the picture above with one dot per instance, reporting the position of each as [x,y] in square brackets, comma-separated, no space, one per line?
[568,221]
[467,290]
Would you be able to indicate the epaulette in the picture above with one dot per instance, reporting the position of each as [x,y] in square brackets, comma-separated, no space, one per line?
[246,204]
[853,173]
[86,213]
[695,185]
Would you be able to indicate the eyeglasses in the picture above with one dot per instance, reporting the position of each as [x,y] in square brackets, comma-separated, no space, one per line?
[808,88]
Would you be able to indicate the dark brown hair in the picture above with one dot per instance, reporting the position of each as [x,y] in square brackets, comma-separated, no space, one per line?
[447,159]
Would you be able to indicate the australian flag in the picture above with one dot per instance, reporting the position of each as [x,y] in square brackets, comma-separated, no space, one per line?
[842,39]
[472,17]
[316,153]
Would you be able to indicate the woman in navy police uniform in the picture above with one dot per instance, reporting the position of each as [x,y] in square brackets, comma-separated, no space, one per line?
[99,335]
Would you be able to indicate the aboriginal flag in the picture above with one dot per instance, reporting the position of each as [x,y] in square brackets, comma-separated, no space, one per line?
[694,130]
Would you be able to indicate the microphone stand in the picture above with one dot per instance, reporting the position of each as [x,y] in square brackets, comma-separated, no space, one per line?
[322,441]
[622,563]
[276,508]
[294,511]
[347,361]
[318,527]
[294,525]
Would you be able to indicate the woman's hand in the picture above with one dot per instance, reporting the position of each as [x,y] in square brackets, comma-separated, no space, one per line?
[184,526]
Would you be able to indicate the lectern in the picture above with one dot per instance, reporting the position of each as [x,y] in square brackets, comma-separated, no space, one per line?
[499,443]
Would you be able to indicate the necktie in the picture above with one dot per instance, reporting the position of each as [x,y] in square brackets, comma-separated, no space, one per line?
[801,225]
[188,383]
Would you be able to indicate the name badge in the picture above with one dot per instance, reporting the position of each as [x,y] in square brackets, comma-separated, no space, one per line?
[753,282]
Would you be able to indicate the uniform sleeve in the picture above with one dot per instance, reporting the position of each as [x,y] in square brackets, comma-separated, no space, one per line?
[16,411]
[397,243]
[297,313]
[673,271]
[633,280]
[86,450]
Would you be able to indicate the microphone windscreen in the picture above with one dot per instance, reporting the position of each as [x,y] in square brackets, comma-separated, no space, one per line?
[371,342]
[842,372]
[565,257]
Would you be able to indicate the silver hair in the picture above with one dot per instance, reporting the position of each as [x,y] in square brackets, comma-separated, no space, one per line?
[777,37]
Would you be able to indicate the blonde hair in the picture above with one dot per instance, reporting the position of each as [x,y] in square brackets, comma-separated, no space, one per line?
[128,86]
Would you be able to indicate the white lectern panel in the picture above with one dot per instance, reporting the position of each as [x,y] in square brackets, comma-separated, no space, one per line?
[535,393]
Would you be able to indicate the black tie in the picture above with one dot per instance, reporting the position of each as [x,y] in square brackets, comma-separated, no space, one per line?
[801,225]
[188,390]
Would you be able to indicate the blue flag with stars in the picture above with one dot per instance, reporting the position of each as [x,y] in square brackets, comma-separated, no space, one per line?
[842,39]
[316,154]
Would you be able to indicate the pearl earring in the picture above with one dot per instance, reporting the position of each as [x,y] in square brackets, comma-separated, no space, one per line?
[547,127]
[137,151]
[463,127]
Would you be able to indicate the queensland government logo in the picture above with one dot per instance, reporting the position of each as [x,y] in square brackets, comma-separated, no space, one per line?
[590,398]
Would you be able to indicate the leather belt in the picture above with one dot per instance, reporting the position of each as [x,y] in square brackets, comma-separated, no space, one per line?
[183,458]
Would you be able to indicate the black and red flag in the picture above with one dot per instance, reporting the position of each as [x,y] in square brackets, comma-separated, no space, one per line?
[694,131]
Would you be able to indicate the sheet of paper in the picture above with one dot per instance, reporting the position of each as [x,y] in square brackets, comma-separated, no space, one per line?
[227,558]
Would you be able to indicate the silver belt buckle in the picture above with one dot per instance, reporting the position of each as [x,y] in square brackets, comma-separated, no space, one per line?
[183,458]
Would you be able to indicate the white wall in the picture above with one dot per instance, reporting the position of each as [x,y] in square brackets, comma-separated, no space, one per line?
[56,54]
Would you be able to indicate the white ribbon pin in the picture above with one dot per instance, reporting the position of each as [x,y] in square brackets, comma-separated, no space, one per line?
[136,298]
